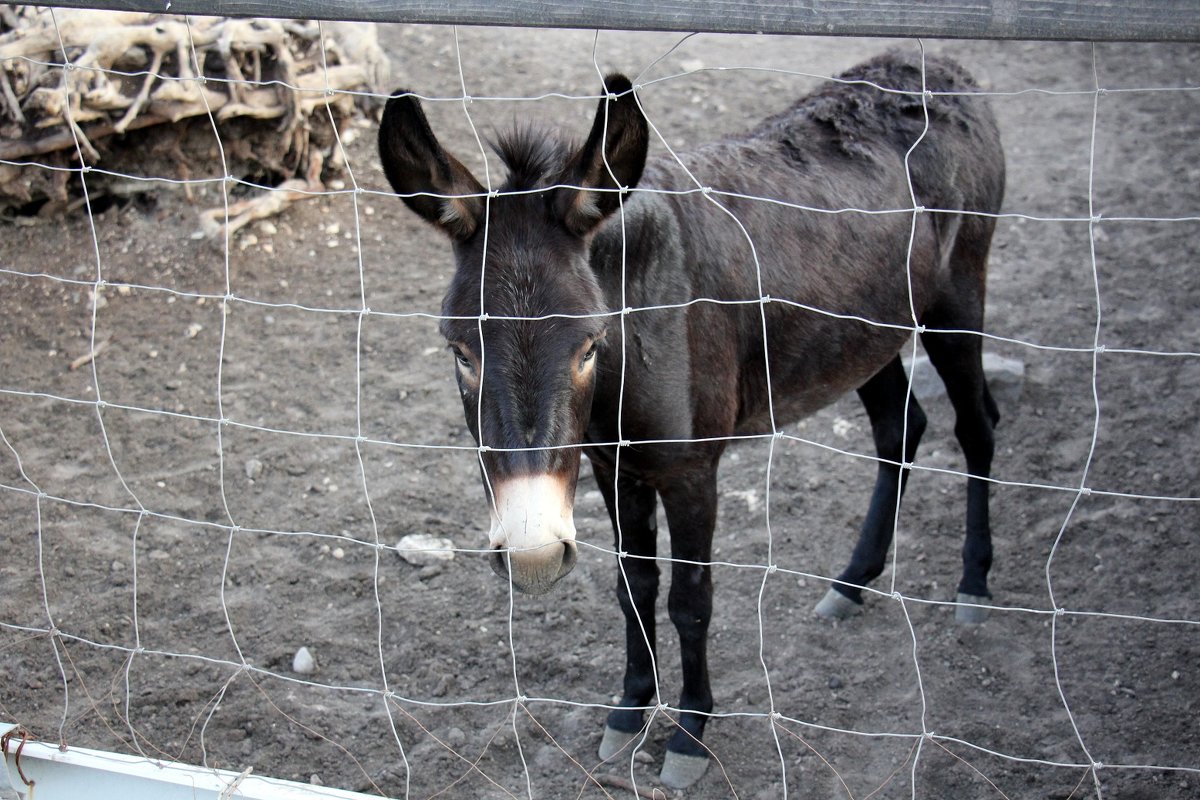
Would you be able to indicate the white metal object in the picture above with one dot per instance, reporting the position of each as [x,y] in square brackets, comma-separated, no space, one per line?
[78,772]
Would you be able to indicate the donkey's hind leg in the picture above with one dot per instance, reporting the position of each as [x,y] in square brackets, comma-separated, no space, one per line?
[896,439]
[958,359]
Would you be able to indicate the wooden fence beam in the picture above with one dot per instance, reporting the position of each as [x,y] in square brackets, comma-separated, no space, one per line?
[1097,20]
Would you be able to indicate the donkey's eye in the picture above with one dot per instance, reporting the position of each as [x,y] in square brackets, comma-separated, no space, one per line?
[460,357]
[590,354]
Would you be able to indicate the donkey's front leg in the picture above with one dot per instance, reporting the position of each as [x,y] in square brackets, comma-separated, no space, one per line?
[632,507]
[691,508]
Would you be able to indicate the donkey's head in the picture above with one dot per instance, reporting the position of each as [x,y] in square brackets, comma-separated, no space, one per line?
[524,315]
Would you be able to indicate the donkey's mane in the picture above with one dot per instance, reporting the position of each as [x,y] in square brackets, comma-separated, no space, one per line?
[535,156]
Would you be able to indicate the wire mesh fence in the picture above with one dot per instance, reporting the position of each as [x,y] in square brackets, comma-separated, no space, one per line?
[214,443]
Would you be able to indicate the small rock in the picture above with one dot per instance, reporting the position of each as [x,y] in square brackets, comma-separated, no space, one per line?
[303,662]
[835,683]
[117,566]
[643,757]
[455,737]
[338,553]
[315,780]
[843,427]
[253,467]
[421,549]
[429,572]
[1005,377]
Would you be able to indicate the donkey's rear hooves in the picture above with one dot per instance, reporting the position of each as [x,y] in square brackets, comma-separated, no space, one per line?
[680,771]
[614,742]
[835,605]
[974,612]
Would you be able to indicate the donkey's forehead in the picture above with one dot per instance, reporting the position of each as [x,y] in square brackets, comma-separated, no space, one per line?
[524,282]
[530,291]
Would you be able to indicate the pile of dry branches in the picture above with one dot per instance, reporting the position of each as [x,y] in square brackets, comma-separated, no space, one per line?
[266,83]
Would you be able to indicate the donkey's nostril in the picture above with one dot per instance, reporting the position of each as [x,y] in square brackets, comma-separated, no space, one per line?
[499,561]
[570,556]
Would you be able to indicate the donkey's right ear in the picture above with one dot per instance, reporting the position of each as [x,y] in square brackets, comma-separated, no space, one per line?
[434,183]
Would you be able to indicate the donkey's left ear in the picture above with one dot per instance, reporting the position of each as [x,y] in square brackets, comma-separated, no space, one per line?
[435,184]
[610,161]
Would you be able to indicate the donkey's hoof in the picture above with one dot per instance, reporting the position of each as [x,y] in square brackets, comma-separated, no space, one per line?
[680,771]
[835,605]
[614,742]
[972,614]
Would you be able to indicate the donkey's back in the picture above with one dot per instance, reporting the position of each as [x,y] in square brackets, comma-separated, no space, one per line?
[885,106]
[835,238]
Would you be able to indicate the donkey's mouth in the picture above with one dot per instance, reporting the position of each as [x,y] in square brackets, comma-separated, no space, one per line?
[533,534]
[536,570]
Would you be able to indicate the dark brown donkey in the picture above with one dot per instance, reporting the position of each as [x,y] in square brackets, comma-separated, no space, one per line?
[646,327]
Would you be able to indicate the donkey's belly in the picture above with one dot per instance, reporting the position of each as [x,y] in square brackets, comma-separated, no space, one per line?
[811,372]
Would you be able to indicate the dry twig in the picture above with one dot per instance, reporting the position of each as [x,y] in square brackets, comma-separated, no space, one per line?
[131,72]
[92,354]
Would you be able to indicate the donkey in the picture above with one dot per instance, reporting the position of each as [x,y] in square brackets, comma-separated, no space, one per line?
[647,328]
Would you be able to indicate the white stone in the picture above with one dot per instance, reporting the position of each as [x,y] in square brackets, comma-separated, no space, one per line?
[843,427]
[303,662]
[1005,377]
[421,549]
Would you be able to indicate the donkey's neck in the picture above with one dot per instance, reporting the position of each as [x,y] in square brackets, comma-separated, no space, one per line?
[637,255]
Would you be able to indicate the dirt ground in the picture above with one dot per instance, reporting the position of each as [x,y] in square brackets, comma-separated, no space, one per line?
[260,535]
